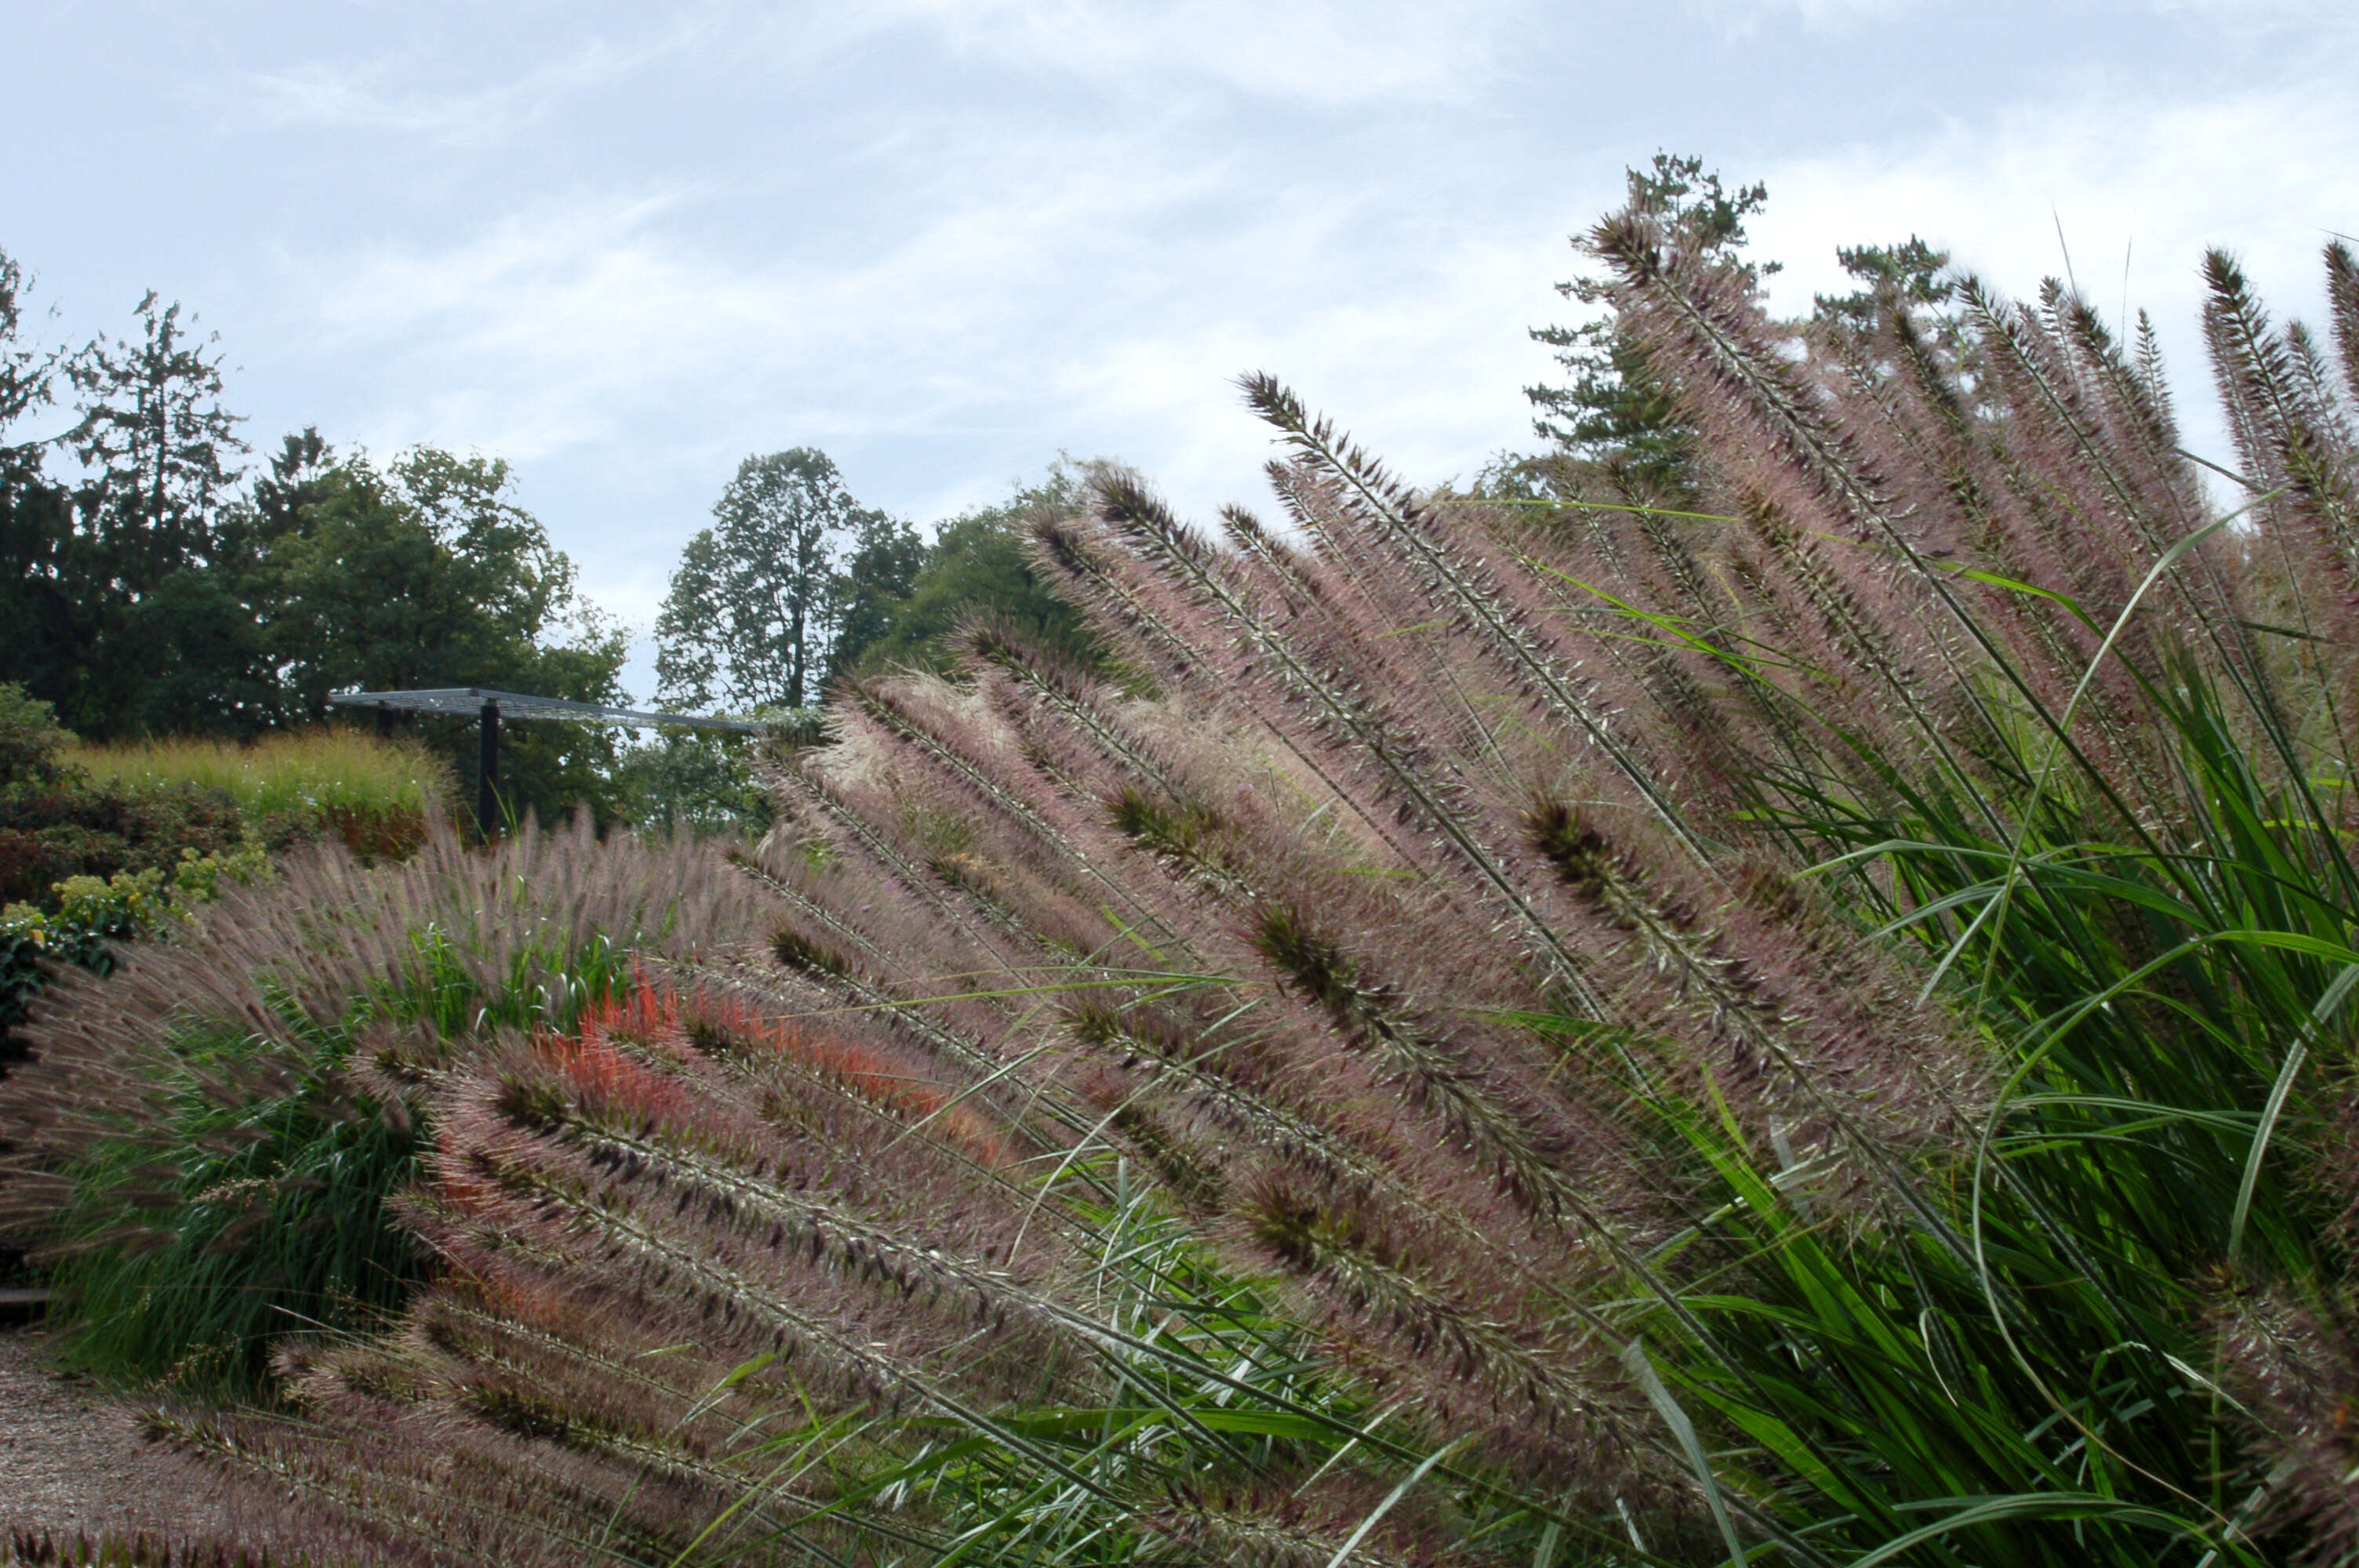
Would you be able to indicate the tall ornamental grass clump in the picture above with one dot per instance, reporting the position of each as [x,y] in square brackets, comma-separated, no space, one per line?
[378,796]
[204,1144]
[1811,1024]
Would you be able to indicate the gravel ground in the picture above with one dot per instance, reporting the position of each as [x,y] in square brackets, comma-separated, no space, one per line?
[71,1458]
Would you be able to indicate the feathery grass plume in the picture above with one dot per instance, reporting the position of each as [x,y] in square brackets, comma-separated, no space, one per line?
[1694,582]
[1336,935]
[966,964]
[408,1496]
[2343,307]
[1532,1170]
[2013,495]
[1493,610]
[2296,444]
[1841,1067]
[1773,434]
[1242,1089]
[1114,592]
[1846,636]
[1502,1115]
[1186,636]
[1532,1159]
[1062,870]
[1596,568]
[45,1548]
[1341,714]
[1061,685]
[570,1374]
[2284,434]
[580,1134]
[1310,1524]
[2133,409]
[1959,477]
[2045,366]
[1232,1079]
[2295,1384]
[1423,1322]
[1707,327]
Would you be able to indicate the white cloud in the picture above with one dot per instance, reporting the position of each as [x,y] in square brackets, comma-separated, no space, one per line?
[1320,52]
[2267,172]
[382,92]
[1747,19]
[972,289]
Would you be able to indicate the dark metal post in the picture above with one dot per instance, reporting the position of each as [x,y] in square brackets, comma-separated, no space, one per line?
[487,773]
[384,721]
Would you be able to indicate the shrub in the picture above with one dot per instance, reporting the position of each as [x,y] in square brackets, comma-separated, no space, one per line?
[160,823]
[74,829]
[30,738]
[85,919]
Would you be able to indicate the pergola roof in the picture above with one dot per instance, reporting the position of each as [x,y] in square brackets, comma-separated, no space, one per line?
[468,701]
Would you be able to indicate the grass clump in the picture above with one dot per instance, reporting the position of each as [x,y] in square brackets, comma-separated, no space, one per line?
[265,1216]
[377,795]
[208,1142]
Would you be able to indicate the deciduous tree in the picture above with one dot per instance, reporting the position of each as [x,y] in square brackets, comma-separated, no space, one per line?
[762,597]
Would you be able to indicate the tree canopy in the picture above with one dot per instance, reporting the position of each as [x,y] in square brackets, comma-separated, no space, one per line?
[155,588]
[1616,411]
[977,564]
[762,599]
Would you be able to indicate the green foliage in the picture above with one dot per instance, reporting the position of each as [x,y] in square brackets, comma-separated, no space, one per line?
[873,591]
[977,566]
[55,823]
[762,598]
[31,740]
[1908,277]
[169,639]
[693,782]
[85,919]
[427,574]
[274,1220]
[47,575]
[377,795]
[277,1220]
[157,447]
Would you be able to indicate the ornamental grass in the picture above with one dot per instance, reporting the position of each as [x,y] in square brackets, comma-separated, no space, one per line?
[1805,1021]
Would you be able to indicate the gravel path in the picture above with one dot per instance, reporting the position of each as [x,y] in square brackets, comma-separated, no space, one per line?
[71,1458]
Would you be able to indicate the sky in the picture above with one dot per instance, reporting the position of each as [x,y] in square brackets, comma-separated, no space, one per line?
[624,247]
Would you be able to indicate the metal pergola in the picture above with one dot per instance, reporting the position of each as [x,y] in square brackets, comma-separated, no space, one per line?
[488,708]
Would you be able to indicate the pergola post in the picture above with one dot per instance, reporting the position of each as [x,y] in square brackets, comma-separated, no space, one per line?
[489,708]
[487,772]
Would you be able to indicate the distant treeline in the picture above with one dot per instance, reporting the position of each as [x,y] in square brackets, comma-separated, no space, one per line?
[155,582]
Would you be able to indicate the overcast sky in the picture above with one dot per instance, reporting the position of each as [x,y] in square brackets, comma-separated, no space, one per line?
[625,245]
